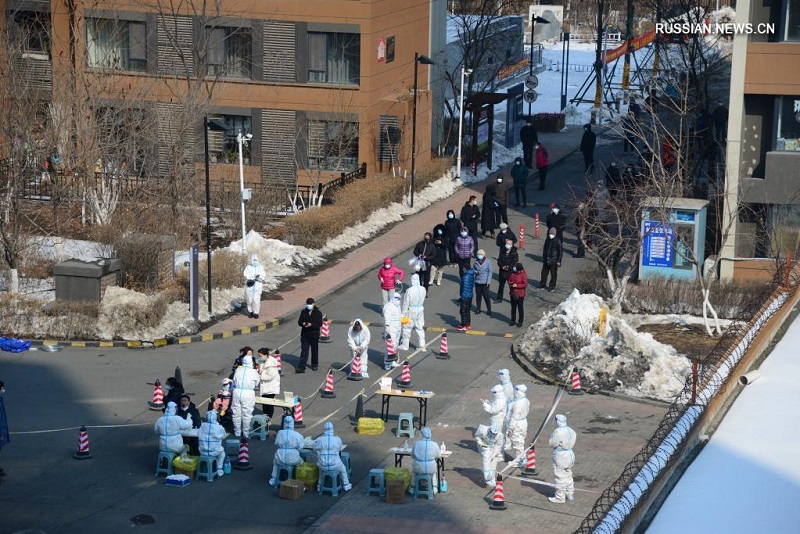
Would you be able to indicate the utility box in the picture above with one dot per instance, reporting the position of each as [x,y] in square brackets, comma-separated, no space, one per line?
[673,237]
[85,281]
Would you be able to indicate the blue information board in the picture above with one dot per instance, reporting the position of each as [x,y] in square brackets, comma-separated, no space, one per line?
[657,245]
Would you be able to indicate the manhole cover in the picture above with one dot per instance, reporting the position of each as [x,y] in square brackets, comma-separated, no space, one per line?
[143,519]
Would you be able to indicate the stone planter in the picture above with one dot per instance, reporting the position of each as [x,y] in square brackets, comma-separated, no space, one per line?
[549,122]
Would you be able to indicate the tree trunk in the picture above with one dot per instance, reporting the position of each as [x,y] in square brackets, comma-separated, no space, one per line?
[14,285]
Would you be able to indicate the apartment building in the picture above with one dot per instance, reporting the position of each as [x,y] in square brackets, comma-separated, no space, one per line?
[321,85]
[763,153]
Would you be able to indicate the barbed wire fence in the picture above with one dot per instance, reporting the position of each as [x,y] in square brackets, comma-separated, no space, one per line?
[613,508]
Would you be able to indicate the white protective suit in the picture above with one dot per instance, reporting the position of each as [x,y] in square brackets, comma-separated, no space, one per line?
[270,377]
[508,388]
[328,447]
[518,424]
[490,443]
[392,314]
[289,442]
[414,309]
[169,427]
[425,452]
[245,382]
[210,439]
[359,344]
[497,409]
[255,271]
[563,440]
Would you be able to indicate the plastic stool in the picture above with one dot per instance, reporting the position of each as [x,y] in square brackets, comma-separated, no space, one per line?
[345,456]
[335,482]
[259,425]
[206,467]
[377,483]
[287,470]
[306,455]
[232,447]
[169,457]
[416,492]
[406,429]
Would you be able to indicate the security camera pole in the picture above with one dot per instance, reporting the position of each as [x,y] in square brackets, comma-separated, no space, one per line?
[464,73]
[242,139]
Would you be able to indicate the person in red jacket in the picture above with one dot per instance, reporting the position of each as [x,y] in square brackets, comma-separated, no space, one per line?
[542,164]
[388,276]
[518,281]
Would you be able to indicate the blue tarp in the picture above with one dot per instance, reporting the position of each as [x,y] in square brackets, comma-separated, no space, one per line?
[10,344]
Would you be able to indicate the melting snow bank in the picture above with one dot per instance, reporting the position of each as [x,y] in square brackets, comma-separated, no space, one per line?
[616,516]
[625,360]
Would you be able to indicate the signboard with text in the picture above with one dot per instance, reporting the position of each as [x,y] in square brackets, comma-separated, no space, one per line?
[657,245]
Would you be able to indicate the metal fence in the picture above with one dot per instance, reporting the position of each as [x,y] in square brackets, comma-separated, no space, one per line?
[639,476]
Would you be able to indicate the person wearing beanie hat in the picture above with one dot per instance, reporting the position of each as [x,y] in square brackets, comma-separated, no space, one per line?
[517,289]
[254,275]
[288,443]
[556,219]
[504,234]
[245,382]
[505,262]
[169,427]
[310,323]
[210,439]
[329,448]
[483,277]
[563,441]
[551,259]
[501,197]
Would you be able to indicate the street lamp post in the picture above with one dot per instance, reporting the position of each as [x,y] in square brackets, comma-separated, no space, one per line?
[565,65]
[242,139]
[215,127]
[425,60]
[534,20]
[464,72]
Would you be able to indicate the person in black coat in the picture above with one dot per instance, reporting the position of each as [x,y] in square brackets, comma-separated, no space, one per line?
[588,142]
[551,259]
[505,262]
[310,323]
[174,392]
[489,217]
[529,138]
[452,226]
[556,220]
[187,410]
[425,250]
[470,215]
[613,179]
[442,245]
[504,233]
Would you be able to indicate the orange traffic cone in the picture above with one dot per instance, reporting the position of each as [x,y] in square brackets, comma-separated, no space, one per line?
[536,225]
[355,369]
[243,460]
[325,331]
[443,354]
[158,397]
[83,452]
[298,414]
[576,383]
[499,501]
[530,464]
[328,392]
[405,378]
[391,351]
[277,356]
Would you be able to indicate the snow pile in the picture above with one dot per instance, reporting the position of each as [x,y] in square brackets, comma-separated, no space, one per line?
[625,360]
[128,314]
[59,249]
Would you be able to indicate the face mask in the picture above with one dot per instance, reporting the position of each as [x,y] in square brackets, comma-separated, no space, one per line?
[463,234]
[2,392]
[556,210]
[254,263]
[168,388]
[260,360]
[514,269]
[480,256]
[387,265]
[439,232]
[309,307]
[450,216]
[552,236]
[508,247]
[499,180]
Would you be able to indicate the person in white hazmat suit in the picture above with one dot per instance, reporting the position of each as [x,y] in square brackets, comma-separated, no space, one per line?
[210,439]
[328,447]
[490,443]
[425,452]
[563,440]
[518,424]
[254,275]
[508,388]
[497,408]
[169,427]
[392,314]
[414,309]
[243,400]
[358,338]
[288,443]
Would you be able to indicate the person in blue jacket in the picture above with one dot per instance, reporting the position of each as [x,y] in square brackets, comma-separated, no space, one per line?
[466,288]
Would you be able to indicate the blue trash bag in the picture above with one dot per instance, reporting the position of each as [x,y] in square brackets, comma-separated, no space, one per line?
[10,344]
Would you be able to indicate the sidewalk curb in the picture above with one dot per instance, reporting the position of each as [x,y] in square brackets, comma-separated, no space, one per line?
[261,327]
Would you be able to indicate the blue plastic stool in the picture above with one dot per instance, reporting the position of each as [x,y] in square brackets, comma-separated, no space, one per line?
[285,472]
[377,483]
[207,467]
[405,425]
[345,456]
[259,425]
[168,456]
[416,492]
[335,482]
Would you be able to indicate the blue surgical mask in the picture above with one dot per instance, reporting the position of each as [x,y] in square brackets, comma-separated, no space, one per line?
[556,210]
[450,216]
[254,263]
[480,256]
[168,388]
[463,234]
[508,247]
[439,232]
[309,307]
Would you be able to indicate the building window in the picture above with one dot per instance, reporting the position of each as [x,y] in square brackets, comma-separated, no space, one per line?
[332,145]
[791,30]
[30,31]
[230,52]
[116,44]
[389,139]
[223,147]
[123,140]
[334,57]
[788,123]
